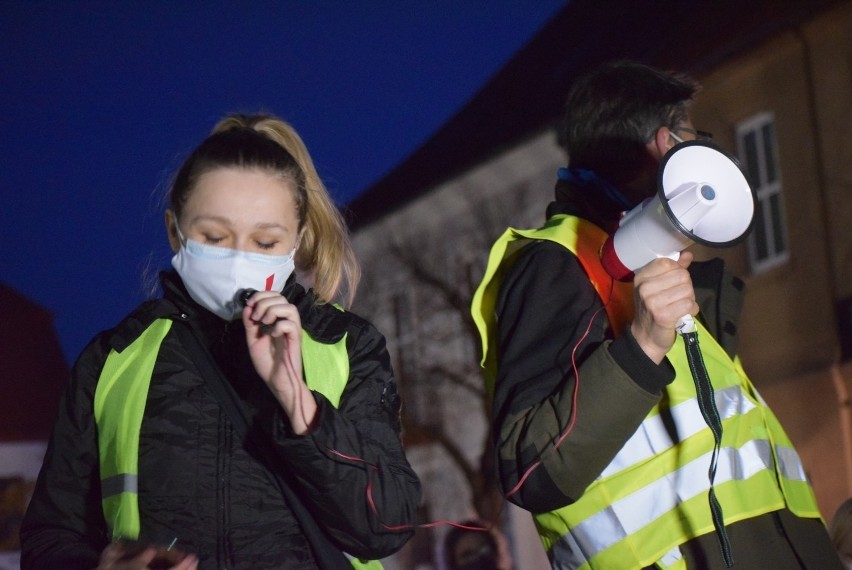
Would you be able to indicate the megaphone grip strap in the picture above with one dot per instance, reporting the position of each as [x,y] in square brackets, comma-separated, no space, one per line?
[707,405]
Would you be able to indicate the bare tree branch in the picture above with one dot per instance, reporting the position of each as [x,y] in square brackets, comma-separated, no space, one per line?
[449,272]
[439,436]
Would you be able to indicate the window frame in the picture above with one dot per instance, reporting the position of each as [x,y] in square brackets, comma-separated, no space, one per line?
[770,221]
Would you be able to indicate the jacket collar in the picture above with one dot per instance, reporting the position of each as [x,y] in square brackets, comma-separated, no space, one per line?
[325,323]
[583,194]
[175,293]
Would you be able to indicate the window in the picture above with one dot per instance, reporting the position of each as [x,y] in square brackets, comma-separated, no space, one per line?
[758,151]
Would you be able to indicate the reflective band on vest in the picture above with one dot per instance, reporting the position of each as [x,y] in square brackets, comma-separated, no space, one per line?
[653,438]
[119,403]
[652,497]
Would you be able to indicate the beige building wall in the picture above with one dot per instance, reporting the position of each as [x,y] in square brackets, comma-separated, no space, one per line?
[789,340]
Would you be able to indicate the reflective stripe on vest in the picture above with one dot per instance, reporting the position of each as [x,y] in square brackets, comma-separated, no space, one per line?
[652,496]
[123,387]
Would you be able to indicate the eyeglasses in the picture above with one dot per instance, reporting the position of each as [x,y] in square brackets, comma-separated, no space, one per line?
[699,135]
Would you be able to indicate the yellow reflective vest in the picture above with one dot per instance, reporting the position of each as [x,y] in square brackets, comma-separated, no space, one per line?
[652,497]
[119,406]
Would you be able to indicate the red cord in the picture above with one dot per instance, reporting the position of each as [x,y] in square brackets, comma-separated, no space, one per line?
[375,510]
[524,477]
[573,420]
[300,405]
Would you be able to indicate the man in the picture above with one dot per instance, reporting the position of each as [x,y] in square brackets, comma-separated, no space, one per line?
[597,423]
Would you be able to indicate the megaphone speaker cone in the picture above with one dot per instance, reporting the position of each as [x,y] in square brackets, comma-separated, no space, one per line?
[706,194]
[702,196]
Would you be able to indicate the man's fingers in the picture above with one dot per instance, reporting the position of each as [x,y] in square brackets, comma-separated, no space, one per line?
[685,259]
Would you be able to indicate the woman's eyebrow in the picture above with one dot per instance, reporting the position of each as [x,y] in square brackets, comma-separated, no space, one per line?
[270,226]
[204,218]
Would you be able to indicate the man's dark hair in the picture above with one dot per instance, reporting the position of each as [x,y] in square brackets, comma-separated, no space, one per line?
[614,111]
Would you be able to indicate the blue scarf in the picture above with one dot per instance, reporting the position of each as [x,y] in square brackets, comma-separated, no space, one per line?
[587,181]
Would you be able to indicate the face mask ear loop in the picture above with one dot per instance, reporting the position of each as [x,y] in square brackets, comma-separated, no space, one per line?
[181,239]
[296,245]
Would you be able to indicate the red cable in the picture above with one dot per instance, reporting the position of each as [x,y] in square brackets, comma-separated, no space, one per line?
[527,473]
[573,420]
[375,510]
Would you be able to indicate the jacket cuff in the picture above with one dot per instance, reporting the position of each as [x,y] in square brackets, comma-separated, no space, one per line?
[645,372]
[281,429]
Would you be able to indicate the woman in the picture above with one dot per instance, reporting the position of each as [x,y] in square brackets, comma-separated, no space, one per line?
[239,421]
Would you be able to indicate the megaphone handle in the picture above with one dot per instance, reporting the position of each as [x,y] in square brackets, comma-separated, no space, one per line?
[685,324]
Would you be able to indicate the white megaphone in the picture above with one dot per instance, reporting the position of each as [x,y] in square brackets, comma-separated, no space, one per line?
[702,197]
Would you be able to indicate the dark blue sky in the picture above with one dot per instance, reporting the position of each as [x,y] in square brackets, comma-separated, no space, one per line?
[102,100]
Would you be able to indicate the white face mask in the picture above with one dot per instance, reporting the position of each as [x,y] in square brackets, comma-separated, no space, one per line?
[214,276]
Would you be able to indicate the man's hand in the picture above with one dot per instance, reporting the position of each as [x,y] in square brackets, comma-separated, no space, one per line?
[662,294]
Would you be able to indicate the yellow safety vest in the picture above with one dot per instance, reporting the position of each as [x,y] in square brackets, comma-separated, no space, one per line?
[123,386]
[584,235]
[653,495]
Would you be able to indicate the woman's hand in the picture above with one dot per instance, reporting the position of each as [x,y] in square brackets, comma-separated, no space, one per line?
[663,293]
[132,556]
[274,337]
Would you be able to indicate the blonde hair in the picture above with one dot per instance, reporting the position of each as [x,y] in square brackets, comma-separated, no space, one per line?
[324,248]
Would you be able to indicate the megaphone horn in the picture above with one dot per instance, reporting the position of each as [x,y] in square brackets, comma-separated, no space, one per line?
[702,196]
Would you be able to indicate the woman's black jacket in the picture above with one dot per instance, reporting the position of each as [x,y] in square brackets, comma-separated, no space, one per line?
[200,483]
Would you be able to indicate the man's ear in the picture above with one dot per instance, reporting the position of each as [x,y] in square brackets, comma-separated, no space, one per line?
[661,143]
[171,230]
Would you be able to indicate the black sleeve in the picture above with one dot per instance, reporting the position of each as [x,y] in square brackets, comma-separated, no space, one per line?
[351,469]
[550,321]
[64,524]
